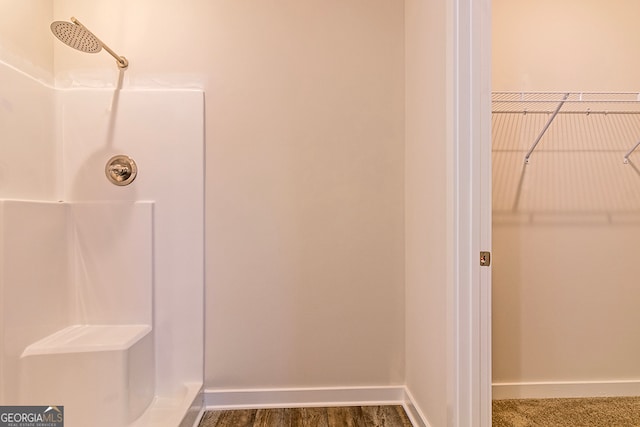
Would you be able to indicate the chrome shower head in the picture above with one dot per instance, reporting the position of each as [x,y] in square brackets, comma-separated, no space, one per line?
[77,36]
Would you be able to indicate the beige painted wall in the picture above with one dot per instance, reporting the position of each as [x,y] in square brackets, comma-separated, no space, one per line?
[304,178]
[426,203]
[25,36]
[565,255]
[565,302]
[580,45]
[28,168]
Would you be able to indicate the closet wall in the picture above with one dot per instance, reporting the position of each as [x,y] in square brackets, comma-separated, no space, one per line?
[573,44]
[566,231]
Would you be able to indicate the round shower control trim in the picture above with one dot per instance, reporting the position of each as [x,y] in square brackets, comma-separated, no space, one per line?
[121,170]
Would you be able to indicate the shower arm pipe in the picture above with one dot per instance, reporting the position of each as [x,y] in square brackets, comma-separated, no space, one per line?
[121,60]
[626,156]
[553,116]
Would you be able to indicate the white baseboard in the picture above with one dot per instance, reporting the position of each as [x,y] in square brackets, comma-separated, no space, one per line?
[539,390]
[414,413]
[315,397]
[303,397]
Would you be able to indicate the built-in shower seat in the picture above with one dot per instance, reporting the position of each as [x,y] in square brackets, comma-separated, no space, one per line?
[112,364]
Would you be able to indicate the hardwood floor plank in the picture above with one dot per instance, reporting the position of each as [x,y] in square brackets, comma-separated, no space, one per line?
[236,418]
[314,417]
[210,419]
[293,417]
[374,416]
[348,416]
[383,416]
[270,418]
[402,414]
[357,414]
[305,417]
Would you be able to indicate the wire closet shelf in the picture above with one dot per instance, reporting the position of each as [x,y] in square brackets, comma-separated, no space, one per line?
[558,103]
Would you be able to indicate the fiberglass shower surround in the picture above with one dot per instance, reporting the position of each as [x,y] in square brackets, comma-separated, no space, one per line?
[94,326]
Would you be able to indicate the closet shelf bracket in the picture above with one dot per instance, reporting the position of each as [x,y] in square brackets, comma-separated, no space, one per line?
[553,116]
[626,156]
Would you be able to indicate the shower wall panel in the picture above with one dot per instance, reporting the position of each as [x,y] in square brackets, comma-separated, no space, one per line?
[62,265]
[2,322]
[112,262]
[163,131]
[36,285]
[97,252]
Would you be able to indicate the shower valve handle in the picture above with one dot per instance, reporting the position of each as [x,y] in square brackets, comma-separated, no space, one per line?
[119,170]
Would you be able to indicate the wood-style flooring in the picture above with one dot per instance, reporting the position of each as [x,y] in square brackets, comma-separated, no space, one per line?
[348,416]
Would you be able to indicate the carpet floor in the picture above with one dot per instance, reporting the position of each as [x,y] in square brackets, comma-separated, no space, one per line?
[592,412]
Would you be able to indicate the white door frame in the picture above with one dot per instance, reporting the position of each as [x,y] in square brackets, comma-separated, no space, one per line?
[469,330]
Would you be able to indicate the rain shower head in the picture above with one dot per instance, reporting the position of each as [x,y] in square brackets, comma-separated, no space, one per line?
[77,36]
